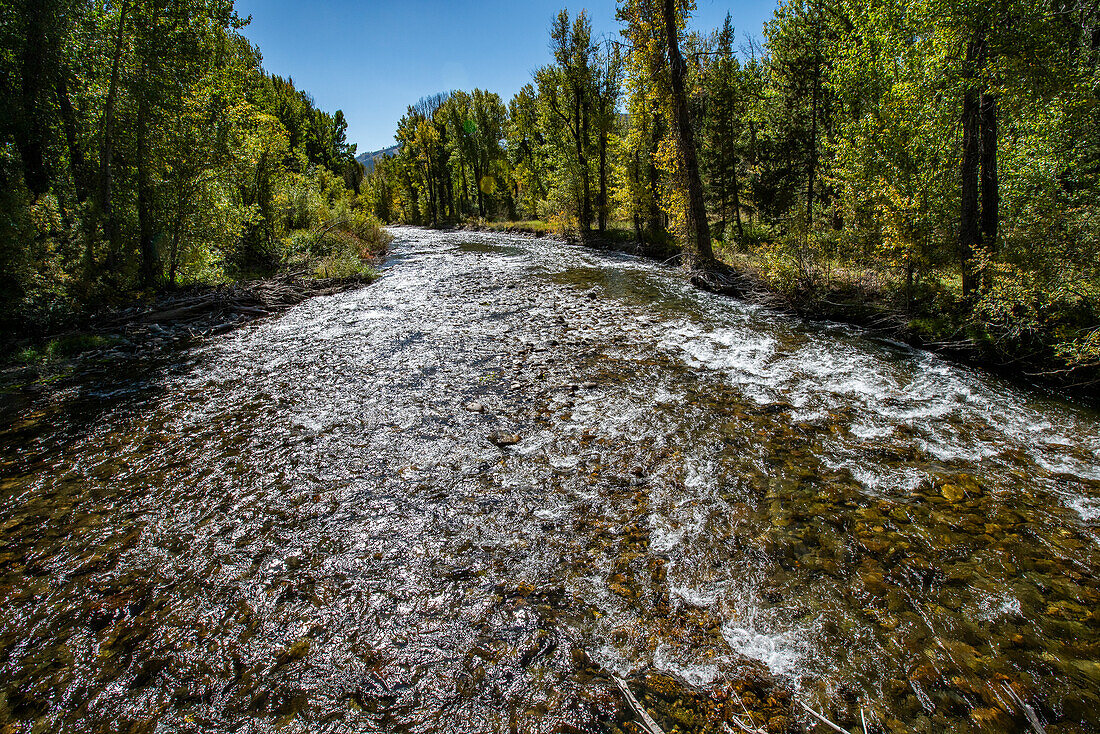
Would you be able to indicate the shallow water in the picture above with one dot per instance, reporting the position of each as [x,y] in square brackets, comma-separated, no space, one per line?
[300,525]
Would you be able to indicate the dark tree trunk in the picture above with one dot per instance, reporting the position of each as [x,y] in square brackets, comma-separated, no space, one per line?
[177,232]
[813,148]
[150,262]
[146,226]
[991,195]
[465,190]
[582,160]
[31,123]
[654,178]
[737,204]
[698,251]
[969,223]
[106,150]
[451,196]
[77,160]
[603,180]
[480,194]
[969,226]
[433,212]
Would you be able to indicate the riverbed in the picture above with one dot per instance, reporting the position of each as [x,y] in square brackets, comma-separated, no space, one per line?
[302,525]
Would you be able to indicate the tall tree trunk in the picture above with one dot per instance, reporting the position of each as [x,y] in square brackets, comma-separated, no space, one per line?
[430,179]
[150,265]
[654,178]
[991,195]
[450,180]
[146,226]
[723,201]
[603,179]
[969,224]
[813,149]
[76,153]
[465,191]
[737,204]
[106,149]
[582,160]
[480,194]
[698,251]
[31,123]
[177,232]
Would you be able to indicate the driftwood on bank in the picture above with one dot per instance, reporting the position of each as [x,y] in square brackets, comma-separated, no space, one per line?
[252,299]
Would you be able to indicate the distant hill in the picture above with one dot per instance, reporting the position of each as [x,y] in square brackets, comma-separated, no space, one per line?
[369,159]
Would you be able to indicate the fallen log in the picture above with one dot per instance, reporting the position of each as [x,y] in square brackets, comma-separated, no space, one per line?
[822,719]
[646,721]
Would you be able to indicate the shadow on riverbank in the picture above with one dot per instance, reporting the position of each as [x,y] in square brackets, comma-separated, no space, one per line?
[119,357]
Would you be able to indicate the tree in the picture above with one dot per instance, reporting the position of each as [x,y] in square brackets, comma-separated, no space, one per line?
[568,90]
[653,30]
[526,146]
[723,146]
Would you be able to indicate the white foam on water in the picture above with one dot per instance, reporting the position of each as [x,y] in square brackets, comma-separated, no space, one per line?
[1061,464]
[867,430]
[703,599]
[877,480]
[993,607]
[663,539]
[696,675]
[959,414]
[1087,507]
[780,651]
[735,351]
[699,475]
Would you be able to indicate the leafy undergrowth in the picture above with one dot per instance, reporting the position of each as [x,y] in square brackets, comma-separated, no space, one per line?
[1042,331]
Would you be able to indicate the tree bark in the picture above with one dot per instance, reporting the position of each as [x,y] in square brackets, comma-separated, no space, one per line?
[145,198]
[698,250]
[813,149]
[177,232]
[602,204]
[654,178]
[970,234]
[991,196]
[150,265]
[480,194]
[737,204]
[106,150]
[582,159]
[77,160]
[31,125]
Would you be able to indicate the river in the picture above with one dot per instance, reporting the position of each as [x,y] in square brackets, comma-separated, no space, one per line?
[301,524]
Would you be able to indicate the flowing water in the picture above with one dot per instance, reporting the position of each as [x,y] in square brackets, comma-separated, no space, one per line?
[301,525]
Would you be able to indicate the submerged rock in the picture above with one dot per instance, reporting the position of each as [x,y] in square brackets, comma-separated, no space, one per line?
[503,438]
[295,652]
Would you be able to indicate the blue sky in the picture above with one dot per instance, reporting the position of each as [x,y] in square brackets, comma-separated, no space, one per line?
[373,59]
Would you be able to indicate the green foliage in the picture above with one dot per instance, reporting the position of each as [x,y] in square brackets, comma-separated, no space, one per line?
[63,348]
[143,146]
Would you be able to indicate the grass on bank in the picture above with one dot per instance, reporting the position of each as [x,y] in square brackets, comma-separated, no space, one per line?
[62,347]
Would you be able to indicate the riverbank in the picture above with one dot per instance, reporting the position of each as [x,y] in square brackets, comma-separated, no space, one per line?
[170,320]
[938,325]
